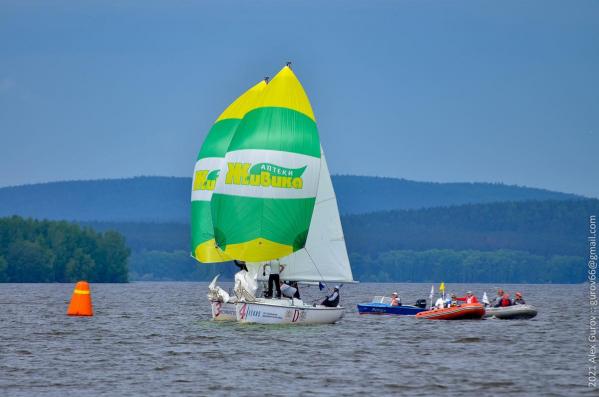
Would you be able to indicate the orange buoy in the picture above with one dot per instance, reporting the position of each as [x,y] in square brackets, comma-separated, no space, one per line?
[81,301]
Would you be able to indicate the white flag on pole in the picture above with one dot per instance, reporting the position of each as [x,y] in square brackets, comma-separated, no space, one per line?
[432,295]
[485,298]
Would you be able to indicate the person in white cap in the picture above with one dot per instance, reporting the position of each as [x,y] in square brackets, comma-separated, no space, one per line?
[469,298]
[395,299]
[333,299]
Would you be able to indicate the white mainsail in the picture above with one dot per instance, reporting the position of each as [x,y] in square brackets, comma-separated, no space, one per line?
[324,258]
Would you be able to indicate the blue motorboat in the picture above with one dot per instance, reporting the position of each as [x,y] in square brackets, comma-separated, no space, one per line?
[382,305]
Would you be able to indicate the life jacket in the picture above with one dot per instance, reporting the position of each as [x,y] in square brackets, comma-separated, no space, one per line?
[332,300]
[471,299]
[505,300]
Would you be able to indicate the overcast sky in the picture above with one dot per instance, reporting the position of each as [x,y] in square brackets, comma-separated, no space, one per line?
[504,91]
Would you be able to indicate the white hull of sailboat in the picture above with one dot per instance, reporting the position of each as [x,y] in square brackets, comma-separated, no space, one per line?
[271,311]
[223,311]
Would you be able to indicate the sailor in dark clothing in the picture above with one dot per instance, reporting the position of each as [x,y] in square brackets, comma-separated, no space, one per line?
[333,299]
[518,300]
[296,286]
[276,267]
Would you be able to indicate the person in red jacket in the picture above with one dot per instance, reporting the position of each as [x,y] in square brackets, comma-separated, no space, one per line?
[469,298]
[505,300]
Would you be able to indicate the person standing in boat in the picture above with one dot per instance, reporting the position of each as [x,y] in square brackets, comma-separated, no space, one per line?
[395,299]
[276,268]
[333,299]
[469,298]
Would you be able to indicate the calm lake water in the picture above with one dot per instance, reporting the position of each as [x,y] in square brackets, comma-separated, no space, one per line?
[157,339]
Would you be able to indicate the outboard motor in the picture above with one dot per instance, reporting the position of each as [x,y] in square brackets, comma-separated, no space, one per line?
[421,303]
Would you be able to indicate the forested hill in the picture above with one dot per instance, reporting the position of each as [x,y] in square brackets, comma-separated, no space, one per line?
[361,194]
[539,227]
[166,199]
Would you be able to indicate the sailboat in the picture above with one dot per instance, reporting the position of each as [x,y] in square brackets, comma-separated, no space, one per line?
[273,199]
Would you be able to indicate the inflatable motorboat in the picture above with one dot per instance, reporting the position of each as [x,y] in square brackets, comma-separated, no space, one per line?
[514,312]
[466,311]
[382,305]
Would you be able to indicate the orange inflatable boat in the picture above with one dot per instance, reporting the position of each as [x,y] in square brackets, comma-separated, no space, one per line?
[467,311]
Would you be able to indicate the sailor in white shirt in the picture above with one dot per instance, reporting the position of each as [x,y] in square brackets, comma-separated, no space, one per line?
[276,268]
[440,303]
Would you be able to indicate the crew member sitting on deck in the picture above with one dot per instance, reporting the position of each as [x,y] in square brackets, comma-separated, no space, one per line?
[333,299]
[395,299]
[289,291]
[295,285]
[518,300]
[469,298]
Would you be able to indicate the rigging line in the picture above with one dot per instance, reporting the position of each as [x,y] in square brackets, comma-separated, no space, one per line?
[314,263]
[317,189]
[325,200]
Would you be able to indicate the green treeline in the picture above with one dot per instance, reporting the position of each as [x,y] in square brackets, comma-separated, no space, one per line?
[501,266]
[51,251]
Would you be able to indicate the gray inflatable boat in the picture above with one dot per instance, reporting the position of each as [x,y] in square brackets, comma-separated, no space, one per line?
[514,312]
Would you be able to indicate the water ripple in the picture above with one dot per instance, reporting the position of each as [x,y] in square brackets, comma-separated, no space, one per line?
[156,339]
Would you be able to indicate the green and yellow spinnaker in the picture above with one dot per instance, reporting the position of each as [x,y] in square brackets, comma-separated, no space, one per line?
[206,173]
[264,198]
